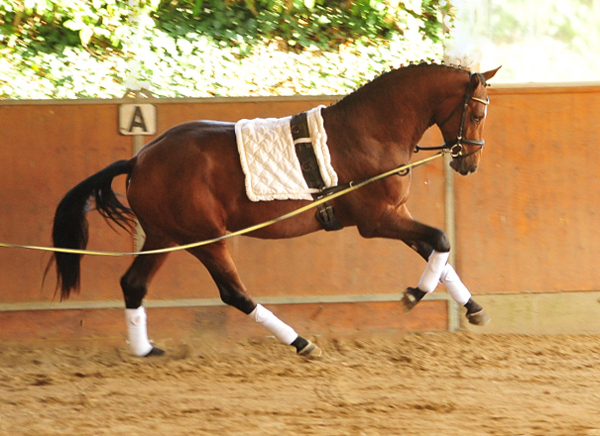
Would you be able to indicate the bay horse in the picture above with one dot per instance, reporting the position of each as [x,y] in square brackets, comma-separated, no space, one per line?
[187,185]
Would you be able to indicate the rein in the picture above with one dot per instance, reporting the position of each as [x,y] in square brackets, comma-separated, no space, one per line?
[329,194]
[456,147]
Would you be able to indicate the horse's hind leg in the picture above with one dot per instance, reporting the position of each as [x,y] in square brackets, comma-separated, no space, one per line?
[134,285]
[218,262]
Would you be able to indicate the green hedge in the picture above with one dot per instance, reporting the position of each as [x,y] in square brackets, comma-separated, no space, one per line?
[101,48]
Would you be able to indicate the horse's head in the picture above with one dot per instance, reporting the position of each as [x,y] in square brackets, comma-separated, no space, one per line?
[462,129]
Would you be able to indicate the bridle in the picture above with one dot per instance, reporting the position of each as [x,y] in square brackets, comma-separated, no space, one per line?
[456,147]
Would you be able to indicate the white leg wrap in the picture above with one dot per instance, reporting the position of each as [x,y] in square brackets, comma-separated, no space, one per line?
[455,287]
[136,330]
[283,332]
[433,271]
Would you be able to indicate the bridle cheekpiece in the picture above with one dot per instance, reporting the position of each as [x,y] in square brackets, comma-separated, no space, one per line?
[455,148]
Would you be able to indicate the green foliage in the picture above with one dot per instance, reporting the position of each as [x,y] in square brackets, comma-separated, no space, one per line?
[51,25]
[100,48]
[301,24]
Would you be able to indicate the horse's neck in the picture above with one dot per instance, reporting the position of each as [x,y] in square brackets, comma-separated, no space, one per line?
[394,118]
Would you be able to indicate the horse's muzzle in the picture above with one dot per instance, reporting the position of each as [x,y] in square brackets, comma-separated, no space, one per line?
[463,166]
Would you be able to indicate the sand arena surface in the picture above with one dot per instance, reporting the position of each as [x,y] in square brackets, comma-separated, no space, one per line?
[415,384]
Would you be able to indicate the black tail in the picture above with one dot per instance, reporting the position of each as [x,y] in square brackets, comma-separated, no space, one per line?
[70,228]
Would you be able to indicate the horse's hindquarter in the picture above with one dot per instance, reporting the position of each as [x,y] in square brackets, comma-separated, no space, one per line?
[190,179]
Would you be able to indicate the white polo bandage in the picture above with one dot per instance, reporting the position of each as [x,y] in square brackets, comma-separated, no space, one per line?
[433,271]
[136,331]
[455,287]
[283,332]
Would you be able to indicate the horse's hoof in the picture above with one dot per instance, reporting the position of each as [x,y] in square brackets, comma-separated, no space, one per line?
[310,350]
[479,318]
[155,352]
[410,298]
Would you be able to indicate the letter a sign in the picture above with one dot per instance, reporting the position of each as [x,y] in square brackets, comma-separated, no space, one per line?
[137,119]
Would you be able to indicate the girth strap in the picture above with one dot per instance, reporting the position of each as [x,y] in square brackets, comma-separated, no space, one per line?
[310,170]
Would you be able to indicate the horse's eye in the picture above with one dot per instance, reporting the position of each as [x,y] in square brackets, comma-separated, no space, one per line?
[476,119]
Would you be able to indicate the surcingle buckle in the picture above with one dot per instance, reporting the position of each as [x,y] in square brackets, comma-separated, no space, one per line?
[326,216]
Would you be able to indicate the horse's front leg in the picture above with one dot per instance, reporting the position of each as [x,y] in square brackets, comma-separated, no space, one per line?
[454,285]
[433,245]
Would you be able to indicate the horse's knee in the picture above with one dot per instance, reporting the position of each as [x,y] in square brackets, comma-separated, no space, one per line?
[422,248]
[133,294]
[438,241]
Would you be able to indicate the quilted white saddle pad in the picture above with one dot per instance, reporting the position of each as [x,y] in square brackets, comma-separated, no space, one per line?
[269,158]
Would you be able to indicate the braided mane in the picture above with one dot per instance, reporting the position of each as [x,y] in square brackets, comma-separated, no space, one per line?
[421,64]
[410,66]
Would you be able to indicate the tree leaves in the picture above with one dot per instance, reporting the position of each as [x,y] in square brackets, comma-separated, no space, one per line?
[81,48]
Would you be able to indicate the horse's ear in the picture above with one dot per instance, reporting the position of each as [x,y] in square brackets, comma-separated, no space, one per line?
[489,74]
